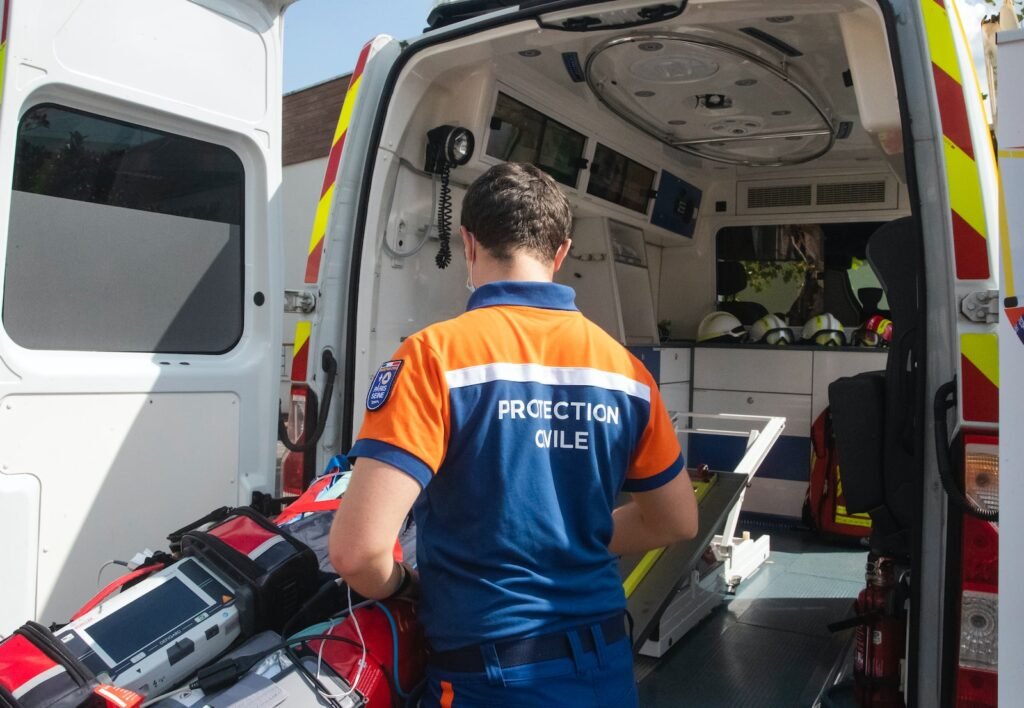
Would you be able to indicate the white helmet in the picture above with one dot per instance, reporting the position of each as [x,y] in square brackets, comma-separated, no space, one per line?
[720,327]
[824,329]
[770,329]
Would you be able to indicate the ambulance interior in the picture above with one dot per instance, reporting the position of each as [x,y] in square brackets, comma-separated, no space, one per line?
[737,157]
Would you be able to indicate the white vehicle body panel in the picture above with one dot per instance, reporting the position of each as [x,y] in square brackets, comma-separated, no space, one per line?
[104,453]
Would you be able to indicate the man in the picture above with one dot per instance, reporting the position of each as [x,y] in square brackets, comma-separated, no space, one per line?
[512,428]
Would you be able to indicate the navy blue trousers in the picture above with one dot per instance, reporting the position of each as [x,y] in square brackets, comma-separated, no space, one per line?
[602,678]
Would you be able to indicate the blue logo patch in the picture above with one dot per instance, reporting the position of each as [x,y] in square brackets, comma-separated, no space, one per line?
[380,389]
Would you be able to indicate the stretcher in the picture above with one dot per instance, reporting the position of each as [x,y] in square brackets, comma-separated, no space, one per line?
[669,590]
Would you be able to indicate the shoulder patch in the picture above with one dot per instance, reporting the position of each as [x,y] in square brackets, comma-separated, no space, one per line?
[383,381]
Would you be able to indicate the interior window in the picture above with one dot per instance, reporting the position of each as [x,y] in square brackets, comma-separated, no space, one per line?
[521,134]
[798,271]
[122,238]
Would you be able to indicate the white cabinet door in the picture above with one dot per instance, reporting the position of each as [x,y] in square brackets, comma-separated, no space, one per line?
[769,370]
[676,396]
[675,365]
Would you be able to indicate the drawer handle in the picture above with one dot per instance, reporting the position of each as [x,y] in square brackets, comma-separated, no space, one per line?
[750,399]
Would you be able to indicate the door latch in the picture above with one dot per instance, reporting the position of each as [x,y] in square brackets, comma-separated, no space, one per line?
[299,301]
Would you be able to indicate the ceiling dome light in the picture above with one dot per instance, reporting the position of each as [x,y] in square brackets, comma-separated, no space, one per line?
[650,46]
[530,53]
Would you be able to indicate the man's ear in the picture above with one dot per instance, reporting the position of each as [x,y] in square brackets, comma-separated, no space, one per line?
[468,243]
[561,253]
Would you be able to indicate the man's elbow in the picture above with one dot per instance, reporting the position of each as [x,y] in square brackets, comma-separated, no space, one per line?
[347,560]
[685,523]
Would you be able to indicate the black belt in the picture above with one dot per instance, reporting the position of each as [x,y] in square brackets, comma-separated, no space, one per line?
[529,650]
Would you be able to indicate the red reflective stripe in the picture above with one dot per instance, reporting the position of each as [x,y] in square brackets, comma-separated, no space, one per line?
[300,362]
[981,396]
[20,662]
[332,164]
[242,533]
[970,249]
[953,108]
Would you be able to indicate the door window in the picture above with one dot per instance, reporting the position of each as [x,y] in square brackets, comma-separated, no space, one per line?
[122,238]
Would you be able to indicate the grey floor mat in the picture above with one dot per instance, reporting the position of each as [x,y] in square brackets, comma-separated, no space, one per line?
[768,645]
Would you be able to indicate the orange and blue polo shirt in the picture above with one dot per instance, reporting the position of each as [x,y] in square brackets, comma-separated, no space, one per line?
[523,421]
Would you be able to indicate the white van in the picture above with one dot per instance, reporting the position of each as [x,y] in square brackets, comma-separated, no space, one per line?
[805,158]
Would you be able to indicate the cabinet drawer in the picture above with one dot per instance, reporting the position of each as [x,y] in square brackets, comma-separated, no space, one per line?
[795,408]
[675,365]
[768,370]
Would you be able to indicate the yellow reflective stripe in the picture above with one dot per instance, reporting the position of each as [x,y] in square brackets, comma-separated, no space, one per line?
[982,350]
[346,109]
[636,576]
[965,187]
[1011,154]
[3,65]
[940,38]
[302,332]
[323,210]
[851,519]
[641,570]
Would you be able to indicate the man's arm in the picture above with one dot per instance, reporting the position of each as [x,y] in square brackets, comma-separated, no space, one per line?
[656,518]
[368,521]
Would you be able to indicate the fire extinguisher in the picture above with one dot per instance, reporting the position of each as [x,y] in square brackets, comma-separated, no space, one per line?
[880,638]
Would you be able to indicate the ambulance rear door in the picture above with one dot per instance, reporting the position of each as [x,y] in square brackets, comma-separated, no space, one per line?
[139,175]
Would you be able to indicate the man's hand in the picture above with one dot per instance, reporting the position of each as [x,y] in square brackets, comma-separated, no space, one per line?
[368,521]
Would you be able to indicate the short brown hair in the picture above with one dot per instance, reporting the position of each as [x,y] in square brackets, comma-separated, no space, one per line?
[516,206]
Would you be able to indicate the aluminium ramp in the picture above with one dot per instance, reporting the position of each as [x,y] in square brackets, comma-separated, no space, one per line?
[653,579]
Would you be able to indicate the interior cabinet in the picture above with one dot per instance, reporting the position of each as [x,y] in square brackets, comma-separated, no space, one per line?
[608,252]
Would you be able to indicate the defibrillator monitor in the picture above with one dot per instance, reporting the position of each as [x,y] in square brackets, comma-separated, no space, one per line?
[158,633]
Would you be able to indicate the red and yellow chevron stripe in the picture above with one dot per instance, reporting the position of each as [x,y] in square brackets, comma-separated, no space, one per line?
[323,208]
[979,377]
[300,351]
[970,234]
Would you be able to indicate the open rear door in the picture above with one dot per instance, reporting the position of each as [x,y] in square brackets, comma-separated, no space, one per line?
[139,175]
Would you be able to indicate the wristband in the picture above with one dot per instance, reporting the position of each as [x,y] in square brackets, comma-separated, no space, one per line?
[405,582]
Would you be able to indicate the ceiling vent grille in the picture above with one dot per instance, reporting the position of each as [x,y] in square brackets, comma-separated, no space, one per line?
[870,192]
[790,195]
[851,193]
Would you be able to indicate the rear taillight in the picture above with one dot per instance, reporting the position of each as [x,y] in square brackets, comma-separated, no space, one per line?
[977,676]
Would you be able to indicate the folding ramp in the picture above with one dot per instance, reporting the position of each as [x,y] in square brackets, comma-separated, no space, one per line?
[666,592]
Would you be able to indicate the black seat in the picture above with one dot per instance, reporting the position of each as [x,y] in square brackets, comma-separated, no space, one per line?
[732,280]
[874,414]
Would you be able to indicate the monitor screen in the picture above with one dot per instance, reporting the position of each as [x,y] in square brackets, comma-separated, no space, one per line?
[149,617]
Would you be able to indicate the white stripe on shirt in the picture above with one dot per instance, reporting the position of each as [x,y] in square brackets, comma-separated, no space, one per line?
[550,375]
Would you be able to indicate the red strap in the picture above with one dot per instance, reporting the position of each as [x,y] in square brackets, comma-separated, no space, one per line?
[116,585]
[305,506]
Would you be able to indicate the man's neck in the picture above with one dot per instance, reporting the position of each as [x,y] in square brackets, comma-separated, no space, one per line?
[520,267]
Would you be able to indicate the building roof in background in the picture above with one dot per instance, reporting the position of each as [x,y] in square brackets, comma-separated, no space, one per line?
[309,118]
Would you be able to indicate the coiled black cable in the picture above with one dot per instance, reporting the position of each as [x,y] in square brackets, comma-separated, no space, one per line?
[444,221]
